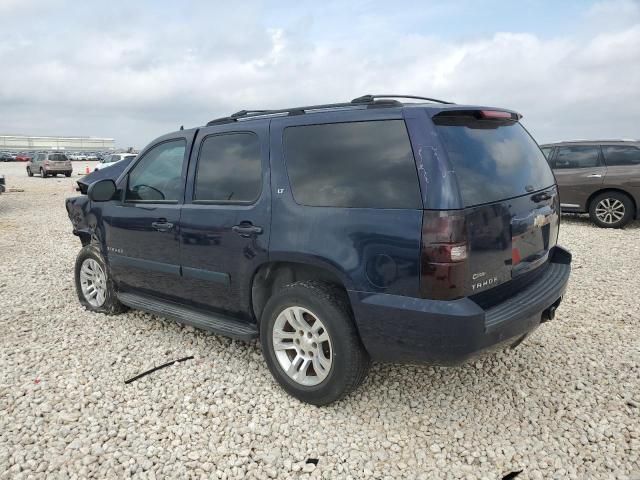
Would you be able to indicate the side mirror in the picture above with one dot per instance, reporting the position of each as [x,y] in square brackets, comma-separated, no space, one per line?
[102,191]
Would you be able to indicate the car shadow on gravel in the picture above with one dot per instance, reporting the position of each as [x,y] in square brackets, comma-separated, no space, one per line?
[502,376]
[583,219]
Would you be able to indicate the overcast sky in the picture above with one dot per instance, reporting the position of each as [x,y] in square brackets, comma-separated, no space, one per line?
[134,70]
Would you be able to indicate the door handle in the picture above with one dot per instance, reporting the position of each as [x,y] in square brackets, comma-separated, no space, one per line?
[246,230]
[595,175]
[162,226]
[541,197]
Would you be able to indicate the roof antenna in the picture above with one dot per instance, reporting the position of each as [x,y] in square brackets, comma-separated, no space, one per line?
[181,127]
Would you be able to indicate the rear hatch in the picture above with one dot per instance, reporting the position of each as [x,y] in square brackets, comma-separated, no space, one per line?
[510,219]
[59,161]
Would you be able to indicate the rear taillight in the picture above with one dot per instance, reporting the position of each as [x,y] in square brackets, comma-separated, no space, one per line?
[46,162]
[443,265]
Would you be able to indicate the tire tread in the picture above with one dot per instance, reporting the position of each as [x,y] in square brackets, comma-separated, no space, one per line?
[624,198]
[112,305]
[357,363]
[359,358]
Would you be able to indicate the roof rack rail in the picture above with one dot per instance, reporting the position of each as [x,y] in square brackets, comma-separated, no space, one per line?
[371,98]
[242,113]
[248,114]
[370,101]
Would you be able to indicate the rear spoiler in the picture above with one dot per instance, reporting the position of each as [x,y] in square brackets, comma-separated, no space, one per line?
[480,114]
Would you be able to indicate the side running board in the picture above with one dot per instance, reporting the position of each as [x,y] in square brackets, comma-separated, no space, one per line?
[213,322]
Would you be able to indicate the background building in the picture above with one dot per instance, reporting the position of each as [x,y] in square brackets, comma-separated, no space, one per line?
[26,142]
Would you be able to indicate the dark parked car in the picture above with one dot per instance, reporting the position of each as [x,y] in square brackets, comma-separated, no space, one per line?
[336,234]
[598,177]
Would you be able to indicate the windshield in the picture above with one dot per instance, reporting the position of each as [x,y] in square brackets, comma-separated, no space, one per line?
[58,157]
[493,160]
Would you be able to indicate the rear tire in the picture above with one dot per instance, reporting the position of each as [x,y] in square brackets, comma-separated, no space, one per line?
[67,174]
[611,210]
[91,276]
[42,173]
[313,329]
[29,172]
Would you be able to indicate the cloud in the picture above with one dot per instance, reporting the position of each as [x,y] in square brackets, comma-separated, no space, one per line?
[135,72]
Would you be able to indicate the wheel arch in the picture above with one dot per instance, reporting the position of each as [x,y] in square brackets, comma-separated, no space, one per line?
[273,275]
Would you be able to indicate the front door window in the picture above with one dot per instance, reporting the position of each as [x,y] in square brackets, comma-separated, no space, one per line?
[158,176]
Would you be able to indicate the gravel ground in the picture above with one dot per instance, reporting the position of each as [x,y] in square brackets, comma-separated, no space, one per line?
[565,404]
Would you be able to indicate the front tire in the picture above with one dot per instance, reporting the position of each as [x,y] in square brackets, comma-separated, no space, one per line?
[611,210]
[94,286]
[310,342]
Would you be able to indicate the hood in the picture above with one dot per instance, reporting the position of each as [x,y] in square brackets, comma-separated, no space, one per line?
[112,172]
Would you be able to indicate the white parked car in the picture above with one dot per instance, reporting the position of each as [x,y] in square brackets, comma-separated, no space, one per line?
[114,158]
[77,156]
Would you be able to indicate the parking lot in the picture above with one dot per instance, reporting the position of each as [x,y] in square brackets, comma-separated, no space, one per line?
[564,404]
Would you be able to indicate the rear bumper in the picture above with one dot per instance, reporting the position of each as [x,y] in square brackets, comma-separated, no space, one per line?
[403,329]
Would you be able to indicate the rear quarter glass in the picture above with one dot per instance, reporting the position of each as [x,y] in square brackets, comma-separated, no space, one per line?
[621,155]
[493,160]
[365,164]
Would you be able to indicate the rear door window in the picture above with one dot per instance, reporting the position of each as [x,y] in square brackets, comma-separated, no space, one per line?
[229,169]
[356,164]
[492,160]
[617,155]
[577,156]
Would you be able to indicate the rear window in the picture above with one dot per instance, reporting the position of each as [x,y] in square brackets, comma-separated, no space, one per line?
[357,164]
[58,157]
[493,160]
[621,155]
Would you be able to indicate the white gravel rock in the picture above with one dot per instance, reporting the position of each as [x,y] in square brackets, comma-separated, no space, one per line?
[564,404]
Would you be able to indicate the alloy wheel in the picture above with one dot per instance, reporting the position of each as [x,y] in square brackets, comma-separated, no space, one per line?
[93,282]
[302,346]
[610,210]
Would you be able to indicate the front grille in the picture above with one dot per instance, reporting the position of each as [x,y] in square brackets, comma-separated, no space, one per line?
[496,295]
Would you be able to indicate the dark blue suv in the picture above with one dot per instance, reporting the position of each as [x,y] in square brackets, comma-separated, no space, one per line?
[337,234]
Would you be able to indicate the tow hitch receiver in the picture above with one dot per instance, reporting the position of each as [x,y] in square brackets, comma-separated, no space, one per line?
[550,313]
